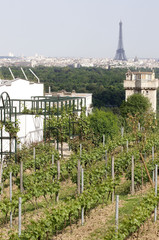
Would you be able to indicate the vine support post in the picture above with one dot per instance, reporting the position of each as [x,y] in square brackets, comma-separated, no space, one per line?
[82,188]
[20,219]
[153,177]
[58,169]
[79,172]
[78,176]
[122,131]
[80,150]
[21,176]
[148,174]
[45,124]
[1,173]
[69,134]
[34,157]
[52,159]
[53,164]
[106,160]
[142,178]
[16,136]
[132,176]
[103,140]
[127,146]
[155,211]
[55,144]
[112,171]
[10,194]
[57,121]
[58,178]
[117,213]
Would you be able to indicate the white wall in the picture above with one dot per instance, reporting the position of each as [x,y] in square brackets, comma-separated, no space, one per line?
[31,127]
[22,89]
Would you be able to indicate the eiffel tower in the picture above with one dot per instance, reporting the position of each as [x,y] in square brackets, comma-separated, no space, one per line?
[120,53]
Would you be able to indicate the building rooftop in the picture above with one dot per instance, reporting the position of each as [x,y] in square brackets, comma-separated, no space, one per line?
[65,93]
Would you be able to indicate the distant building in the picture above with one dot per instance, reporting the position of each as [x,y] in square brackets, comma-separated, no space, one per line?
[87,97]
[144,83]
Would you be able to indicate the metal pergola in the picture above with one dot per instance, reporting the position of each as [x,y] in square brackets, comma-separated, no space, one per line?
[37,105]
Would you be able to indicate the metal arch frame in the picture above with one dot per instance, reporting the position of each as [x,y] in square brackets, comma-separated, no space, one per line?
[7,98]
[7,112]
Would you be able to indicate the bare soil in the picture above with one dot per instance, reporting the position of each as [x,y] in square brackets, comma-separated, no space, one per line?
[98,218]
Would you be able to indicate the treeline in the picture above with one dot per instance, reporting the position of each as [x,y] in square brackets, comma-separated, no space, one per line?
[105,84]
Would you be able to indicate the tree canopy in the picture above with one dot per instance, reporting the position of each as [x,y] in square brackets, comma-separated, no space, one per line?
[103,123]
[136,103]
[105,84]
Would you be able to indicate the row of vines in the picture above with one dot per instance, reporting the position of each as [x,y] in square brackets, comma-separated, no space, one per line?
[42,183]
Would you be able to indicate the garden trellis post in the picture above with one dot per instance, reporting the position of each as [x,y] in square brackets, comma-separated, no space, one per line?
[112,170]
[10,180]
[155,211]
[132,176]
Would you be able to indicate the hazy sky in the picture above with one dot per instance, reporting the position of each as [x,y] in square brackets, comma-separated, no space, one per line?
[83,28]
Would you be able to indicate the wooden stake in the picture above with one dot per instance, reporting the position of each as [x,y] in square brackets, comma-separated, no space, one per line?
[148,174]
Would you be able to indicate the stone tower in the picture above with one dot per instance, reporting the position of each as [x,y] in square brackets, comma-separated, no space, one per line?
[144,83]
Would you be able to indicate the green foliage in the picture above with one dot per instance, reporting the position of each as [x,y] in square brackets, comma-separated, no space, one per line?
[83,125]
[136,103]
[97,186]
[59,217]
[12,128]
[106,85]
[103,123]
[132,223]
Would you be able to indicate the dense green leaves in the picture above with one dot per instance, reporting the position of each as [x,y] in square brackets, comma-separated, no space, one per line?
[130,224]
[105,84]
[136,103]
[104,123]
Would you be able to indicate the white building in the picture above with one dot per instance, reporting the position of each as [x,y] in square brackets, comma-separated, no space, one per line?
[31,126]
[86,98]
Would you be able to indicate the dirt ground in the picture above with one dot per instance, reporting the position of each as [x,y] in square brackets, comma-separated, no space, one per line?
[97,219]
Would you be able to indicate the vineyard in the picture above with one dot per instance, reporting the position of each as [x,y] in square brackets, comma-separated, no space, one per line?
[48,196]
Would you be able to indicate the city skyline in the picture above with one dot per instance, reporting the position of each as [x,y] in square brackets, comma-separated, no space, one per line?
[89,28]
